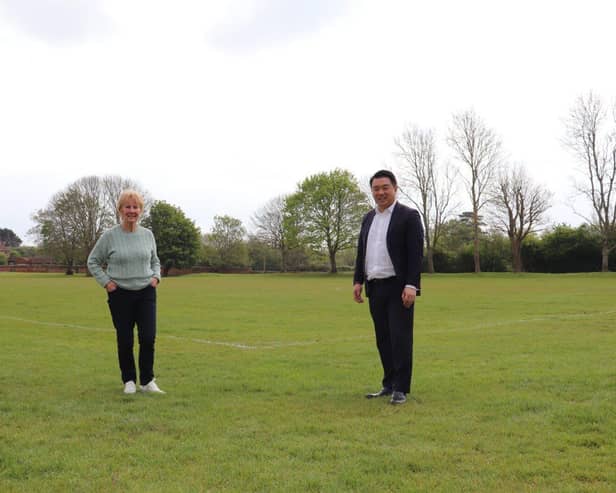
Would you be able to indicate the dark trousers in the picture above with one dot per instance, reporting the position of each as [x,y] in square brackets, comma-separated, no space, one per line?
[393,326]
[127,309]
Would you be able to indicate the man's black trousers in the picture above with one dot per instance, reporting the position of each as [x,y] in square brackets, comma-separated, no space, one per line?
[129,308]
[393,326]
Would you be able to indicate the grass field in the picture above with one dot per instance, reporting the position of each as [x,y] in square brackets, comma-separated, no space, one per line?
[514,388]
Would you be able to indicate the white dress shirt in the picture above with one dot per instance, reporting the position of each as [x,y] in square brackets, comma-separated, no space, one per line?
[378,261]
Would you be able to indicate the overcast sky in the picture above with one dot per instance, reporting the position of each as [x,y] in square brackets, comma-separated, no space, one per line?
[219,106]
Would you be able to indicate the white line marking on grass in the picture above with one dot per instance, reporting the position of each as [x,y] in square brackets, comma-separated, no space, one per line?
[237,345]
[214,343]
[551,318]
[280,344]
[53,324]
[271,345]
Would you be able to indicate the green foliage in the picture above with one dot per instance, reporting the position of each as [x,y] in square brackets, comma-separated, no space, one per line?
[300,259]
[265,375]
[26,251]
[262,256]
[564,249]
[455,253]
[533,254]
[569,249]
[3,259]
[208,255]
[226,241]
[177,238]
[456,233]
[495,251]
[325,213]
[60,231]
[9,238]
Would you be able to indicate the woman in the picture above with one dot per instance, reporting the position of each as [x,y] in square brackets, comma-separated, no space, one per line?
[125,263]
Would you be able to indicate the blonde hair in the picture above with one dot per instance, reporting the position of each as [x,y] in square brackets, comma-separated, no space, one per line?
[127,195]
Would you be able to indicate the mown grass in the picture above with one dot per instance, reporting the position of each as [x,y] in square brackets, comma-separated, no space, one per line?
[514,388]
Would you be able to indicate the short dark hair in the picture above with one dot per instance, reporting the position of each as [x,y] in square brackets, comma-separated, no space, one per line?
[384,173]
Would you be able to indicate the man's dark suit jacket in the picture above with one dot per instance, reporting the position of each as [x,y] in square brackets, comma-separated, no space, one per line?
[404,244]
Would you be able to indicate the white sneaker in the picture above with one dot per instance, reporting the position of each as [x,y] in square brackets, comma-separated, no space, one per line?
[151,387]
[130,387]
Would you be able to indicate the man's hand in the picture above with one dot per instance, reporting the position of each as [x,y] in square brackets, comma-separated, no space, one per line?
[357,293]
[408,297]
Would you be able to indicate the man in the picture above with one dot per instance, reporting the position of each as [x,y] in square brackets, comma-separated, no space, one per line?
[389,255]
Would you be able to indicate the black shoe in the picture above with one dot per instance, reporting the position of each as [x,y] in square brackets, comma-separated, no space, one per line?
[383,392]
[398,398]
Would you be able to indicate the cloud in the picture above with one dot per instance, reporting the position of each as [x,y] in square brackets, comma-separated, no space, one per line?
[57,21]
[265,23]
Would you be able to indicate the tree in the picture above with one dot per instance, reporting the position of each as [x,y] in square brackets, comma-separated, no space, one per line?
[93,215]
[227,238]
[519,207]
[261,255]
[75,218]
[9,238]
[456,245]
[596,149]
[56,229]
[457,232]
[114,185]
[424,185]
[568,249]
[177,237]
[271,227]
[478,148]
[73,221]
[326,211]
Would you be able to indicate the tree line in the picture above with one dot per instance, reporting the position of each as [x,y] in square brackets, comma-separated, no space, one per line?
[315,227]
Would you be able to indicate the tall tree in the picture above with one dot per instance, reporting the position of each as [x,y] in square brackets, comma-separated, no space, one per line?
[423,183]
[57,231]
[270,227]
[177,238]
[478,149]
[227,237]
[325,212]
[9,238]
[74,219]
[93,215]
[595,147]
[114,185]
[519,208]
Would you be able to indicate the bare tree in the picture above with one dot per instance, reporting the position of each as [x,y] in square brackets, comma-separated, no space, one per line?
[76,217]
[270,224]
[114,185]
[429,189]
[519,208]
[93,216]
[366,189]
[479,149]
[596,149]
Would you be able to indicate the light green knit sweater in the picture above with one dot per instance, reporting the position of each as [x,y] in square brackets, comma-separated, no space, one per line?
[130,258]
